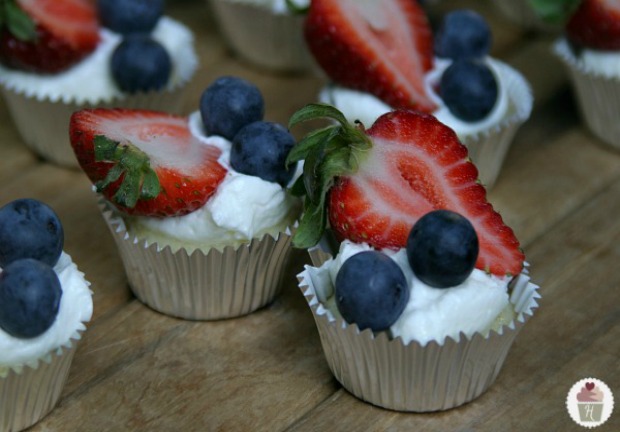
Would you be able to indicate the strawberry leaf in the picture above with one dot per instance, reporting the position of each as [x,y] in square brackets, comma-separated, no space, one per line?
[131,166]
[18,23]
[329,153]
[295,8]
[554,11]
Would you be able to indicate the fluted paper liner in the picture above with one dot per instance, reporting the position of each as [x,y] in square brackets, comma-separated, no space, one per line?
[201,285]
[30,392]
[262,37]
[598,95]
[413,377]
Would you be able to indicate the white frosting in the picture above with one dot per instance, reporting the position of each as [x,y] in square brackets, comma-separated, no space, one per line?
[91,81]
[356,105]
[76,308]
[606,63]
[242,206]
[276,6]
[431,313]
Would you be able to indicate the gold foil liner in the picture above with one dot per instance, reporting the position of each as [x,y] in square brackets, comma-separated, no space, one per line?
[201,285]
[262,37]
[387,373]
[598,95]
[488,149]
[43,123]
[29,393]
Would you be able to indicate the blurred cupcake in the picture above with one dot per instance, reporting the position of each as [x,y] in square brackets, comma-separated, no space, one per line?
[44,303]
[265,33]
[590,51]
[64,61]
[482,99]
[428,288]
[200,213]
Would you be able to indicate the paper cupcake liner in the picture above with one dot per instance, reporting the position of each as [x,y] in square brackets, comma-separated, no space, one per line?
[29,393]
[413,377]
[262,37]
[43,123]
[488,149]
[201,285]
[598,95]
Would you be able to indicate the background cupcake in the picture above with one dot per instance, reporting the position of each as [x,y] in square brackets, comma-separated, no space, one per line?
[44,303]
[207,235]
[265,33]
[482,99]
[109,54]
[590,51]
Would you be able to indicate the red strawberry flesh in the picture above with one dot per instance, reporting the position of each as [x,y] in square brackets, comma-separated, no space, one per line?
[417,165]
[383,49]
[596,24]
[187,169]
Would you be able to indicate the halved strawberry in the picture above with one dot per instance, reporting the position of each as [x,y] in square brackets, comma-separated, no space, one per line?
[375,184]
[596,24]
[47,36]
[145,162]
[383,48]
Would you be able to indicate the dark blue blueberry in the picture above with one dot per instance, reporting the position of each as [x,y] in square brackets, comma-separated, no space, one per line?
[442,248]
[130,16]
[469,89]
[371,291]
[260,149]
[30,229]
[229,104]
[140,64]
[463,34]
[29,298]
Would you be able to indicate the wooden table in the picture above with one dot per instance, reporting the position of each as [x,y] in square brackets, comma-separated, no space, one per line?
[139,370]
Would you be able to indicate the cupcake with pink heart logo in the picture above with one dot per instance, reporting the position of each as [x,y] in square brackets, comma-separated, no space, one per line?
[590,402]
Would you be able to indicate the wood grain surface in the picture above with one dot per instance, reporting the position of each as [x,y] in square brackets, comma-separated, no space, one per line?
[140,370]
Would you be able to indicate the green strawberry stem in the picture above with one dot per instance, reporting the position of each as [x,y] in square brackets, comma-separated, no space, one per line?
[17,22]
[554,11]
[327,153]
[296,9]
[139,181]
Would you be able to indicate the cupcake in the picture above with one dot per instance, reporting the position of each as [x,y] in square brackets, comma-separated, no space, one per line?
[198,206]
[590,401]
[427,288]
[79,56]
[590,51]
[378,61]
[44,303]
[265,33]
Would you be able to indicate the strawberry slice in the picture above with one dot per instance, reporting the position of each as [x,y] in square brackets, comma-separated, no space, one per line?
[48,36]
[375,184]
[383,48]
[596,24]
[145,162]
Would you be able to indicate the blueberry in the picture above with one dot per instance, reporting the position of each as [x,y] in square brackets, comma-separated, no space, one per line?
[140,64]
[463,34]
[130,16]
[30,229]
[371,290]
[229,104]
[442,248]
[29,298]
[260,149]
[469,89]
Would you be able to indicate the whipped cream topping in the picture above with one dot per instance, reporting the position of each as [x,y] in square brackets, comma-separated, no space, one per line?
[357,105]
[605,63]
[76,308]
[91,81]
[242,208]
[431,313]
[276,6]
